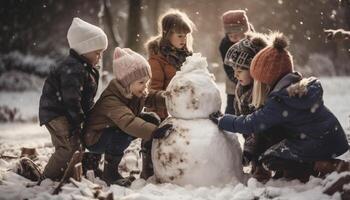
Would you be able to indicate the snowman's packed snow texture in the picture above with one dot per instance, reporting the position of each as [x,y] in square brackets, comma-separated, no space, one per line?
[196,152]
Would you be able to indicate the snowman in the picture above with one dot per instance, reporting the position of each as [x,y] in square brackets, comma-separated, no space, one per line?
[195,152]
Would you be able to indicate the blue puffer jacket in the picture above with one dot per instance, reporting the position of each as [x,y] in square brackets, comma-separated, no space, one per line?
[295,104]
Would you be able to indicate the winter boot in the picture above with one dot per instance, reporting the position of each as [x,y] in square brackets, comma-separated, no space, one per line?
[302,176]
[302,172]
[110,172]
[28,169]
[323,167]
[147,165]
[261,174]
[91,161]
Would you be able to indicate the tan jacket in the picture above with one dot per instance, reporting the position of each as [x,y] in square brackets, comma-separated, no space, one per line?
[115,109]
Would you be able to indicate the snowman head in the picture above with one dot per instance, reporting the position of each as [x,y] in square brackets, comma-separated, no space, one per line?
[192,93]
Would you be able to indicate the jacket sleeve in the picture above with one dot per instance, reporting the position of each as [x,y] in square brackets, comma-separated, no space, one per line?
[155,99]
[266,117]
[157,80]
[71,86]
[125,119]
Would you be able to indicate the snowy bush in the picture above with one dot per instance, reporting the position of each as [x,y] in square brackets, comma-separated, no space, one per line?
[26,63]
[320,65]
[19,81]
[9,115]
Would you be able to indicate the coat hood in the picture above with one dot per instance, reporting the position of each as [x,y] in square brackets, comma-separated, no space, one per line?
[153,46]
[298,92]
[116,89]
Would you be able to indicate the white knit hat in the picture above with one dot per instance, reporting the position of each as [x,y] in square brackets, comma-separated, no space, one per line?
[129,66]
[84,37]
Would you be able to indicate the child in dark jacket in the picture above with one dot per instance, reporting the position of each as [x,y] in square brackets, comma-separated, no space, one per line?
[236,25]
[239,57]
[68,93]
[117,117]
[295,104]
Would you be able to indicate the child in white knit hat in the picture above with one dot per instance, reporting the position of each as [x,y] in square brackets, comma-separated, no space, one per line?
[68,93]
[117,117]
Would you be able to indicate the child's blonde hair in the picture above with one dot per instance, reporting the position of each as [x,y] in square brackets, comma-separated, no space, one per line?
[174,21]
[260,93]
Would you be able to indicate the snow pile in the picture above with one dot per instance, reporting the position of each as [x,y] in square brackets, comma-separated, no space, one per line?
[196,152]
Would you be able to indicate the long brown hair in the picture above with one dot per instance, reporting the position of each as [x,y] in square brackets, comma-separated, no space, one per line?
[174,21]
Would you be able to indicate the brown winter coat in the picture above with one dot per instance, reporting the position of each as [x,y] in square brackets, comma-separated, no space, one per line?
[162,69]
[117,108]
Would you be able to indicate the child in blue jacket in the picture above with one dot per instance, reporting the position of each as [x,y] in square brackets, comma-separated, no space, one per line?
[311,134]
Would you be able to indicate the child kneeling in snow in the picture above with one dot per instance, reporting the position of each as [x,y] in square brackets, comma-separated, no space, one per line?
[239,57]
[116,118]
[313,136]
[68,94]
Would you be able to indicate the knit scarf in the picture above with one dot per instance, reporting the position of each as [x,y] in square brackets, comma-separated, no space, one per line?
[243,99]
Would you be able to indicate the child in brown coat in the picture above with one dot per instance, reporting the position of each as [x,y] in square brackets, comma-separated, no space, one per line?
[167,52]
[117,117]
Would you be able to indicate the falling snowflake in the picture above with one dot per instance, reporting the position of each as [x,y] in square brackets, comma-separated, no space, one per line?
[336,128]
[262,126]
[285,113]
[314,107]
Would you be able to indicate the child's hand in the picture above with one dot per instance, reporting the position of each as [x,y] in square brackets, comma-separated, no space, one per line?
[215,117]
[160,132]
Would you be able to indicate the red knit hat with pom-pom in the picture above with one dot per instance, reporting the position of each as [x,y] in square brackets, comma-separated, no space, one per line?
[273,62]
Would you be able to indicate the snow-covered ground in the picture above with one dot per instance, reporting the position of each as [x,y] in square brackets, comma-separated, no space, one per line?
[13,136]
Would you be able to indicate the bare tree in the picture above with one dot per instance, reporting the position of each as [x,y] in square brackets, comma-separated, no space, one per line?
[134,25]
[106,22]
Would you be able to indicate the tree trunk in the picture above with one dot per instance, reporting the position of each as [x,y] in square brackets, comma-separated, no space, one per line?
[134,25]
[106,22]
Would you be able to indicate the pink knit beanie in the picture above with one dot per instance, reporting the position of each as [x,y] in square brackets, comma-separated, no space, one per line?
[129,66]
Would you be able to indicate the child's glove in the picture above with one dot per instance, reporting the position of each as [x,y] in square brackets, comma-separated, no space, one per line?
[161,132]
[215,117]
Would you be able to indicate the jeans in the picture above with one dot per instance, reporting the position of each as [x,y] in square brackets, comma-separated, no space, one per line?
[113,141]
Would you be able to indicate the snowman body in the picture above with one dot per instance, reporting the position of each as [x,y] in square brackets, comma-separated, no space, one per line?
[195,152]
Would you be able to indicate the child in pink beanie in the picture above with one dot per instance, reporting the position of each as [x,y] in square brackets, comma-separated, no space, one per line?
[117,117]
